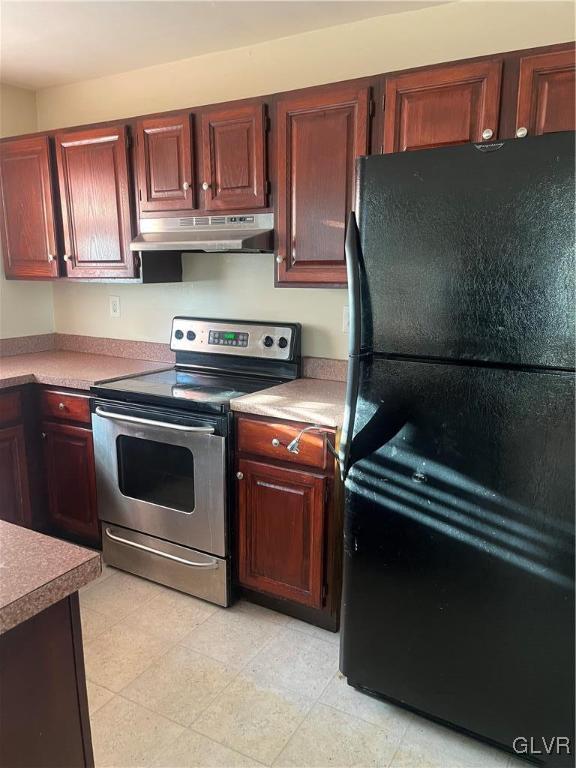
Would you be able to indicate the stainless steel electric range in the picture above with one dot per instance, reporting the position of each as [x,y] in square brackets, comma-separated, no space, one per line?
[162,445]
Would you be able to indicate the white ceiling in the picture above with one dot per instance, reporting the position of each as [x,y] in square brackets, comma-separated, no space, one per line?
[54,41]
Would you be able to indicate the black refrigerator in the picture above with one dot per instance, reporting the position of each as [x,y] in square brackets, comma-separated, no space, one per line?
[458,442]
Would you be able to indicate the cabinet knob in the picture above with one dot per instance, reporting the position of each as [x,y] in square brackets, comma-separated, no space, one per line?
[487,133]
[61,406]
[279,259]
[275,442]
[240,475]
[205,185]
[186,186]
[43,435]
[67,257]
[521,132]
[51,257]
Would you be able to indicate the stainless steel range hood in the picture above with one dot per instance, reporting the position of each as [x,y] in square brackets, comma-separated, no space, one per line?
[247,233]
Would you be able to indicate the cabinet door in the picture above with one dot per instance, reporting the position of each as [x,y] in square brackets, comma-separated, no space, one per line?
[165,164]
[95,197]
[27,209]
[71,481]
[233,158]
[319,136]
[454,104]
[281,532]
[14,492]
[546,93]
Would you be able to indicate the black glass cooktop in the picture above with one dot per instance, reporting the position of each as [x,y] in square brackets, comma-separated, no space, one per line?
[179,388]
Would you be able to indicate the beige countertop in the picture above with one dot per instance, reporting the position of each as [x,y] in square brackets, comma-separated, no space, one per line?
[316,401]
[37,571]
[77,370]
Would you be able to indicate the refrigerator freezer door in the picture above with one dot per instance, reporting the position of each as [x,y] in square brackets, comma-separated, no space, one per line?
[459,546]
[469,252]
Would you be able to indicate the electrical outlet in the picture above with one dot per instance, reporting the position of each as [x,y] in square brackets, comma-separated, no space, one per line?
[114,306]
[345,318]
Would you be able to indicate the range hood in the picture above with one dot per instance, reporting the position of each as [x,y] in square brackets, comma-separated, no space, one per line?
[247,233]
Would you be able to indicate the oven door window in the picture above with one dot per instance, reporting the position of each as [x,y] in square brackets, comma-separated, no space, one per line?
[159,473]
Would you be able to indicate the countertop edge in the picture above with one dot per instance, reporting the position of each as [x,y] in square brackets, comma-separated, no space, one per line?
[28,605]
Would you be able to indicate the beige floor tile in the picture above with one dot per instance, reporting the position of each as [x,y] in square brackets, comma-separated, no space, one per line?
[230,637]
[253,719]
[331,738]
[191,750]
[119,655]
[246,608]
[94,623]
[427,745]
[97,696]
[171,615]
[297,661]
[342,696]
[119,595]
[180,684]
[317,632]
[124,734]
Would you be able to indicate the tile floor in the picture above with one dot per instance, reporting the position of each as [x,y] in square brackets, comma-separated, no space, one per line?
[174,681]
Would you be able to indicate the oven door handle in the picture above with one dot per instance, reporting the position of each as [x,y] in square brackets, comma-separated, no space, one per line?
[212,563]
[152,422]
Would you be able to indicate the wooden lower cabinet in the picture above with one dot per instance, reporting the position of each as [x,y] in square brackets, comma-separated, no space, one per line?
[281,531]
[14,492]
[70,480]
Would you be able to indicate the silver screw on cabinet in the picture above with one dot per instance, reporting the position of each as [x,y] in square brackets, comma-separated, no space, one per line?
[487,133]
[521,132]
[240,475]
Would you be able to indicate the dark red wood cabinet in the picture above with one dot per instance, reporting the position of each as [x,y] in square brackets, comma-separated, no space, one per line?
[281,531]
[69,467]
[546,90]
[319,135]
[234,158]
[444,105]
[165,166]
[28,224]
[15,506]
[95,200]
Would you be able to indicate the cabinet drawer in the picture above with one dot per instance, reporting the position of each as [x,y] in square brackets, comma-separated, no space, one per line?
[10,407]
[65,406]
[270,439]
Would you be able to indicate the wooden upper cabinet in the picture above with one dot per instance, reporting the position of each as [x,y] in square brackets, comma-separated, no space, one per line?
[453,104]
[546,93]
[281,532]
[319,136]
[233,158]
[27,208]
[165,163]
[95,200]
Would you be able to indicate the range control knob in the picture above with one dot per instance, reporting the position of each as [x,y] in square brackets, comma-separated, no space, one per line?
[282,342]
[178,334]
[268,341]
[190,335]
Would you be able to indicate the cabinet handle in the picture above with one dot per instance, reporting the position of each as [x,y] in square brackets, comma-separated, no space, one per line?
[279,259]
[487,133]
[186,186]
[205,185]
[240,475]
[275,442]
[521,132]
[61,406]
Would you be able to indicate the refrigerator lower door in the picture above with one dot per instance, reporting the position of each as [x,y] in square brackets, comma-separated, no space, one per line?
[459,548]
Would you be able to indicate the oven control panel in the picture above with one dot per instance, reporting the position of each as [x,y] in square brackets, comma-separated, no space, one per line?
[273,342]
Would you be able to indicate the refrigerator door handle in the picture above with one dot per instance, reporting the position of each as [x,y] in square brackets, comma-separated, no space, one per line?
[353,250]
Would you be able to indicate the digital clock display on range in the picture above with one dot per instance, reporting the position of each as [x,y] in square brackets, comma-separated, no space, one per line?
[228,338]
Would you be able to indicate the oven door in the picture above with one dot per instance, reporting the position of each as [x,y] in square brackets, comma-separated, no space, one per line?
[161,478]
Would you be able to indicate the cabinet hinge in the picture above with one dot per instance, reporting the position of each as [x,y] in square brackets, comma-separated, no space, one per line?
[371,108]
[267,123]
[139,194]
[324,593]
[128,141]
[268,187]
[137,263]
